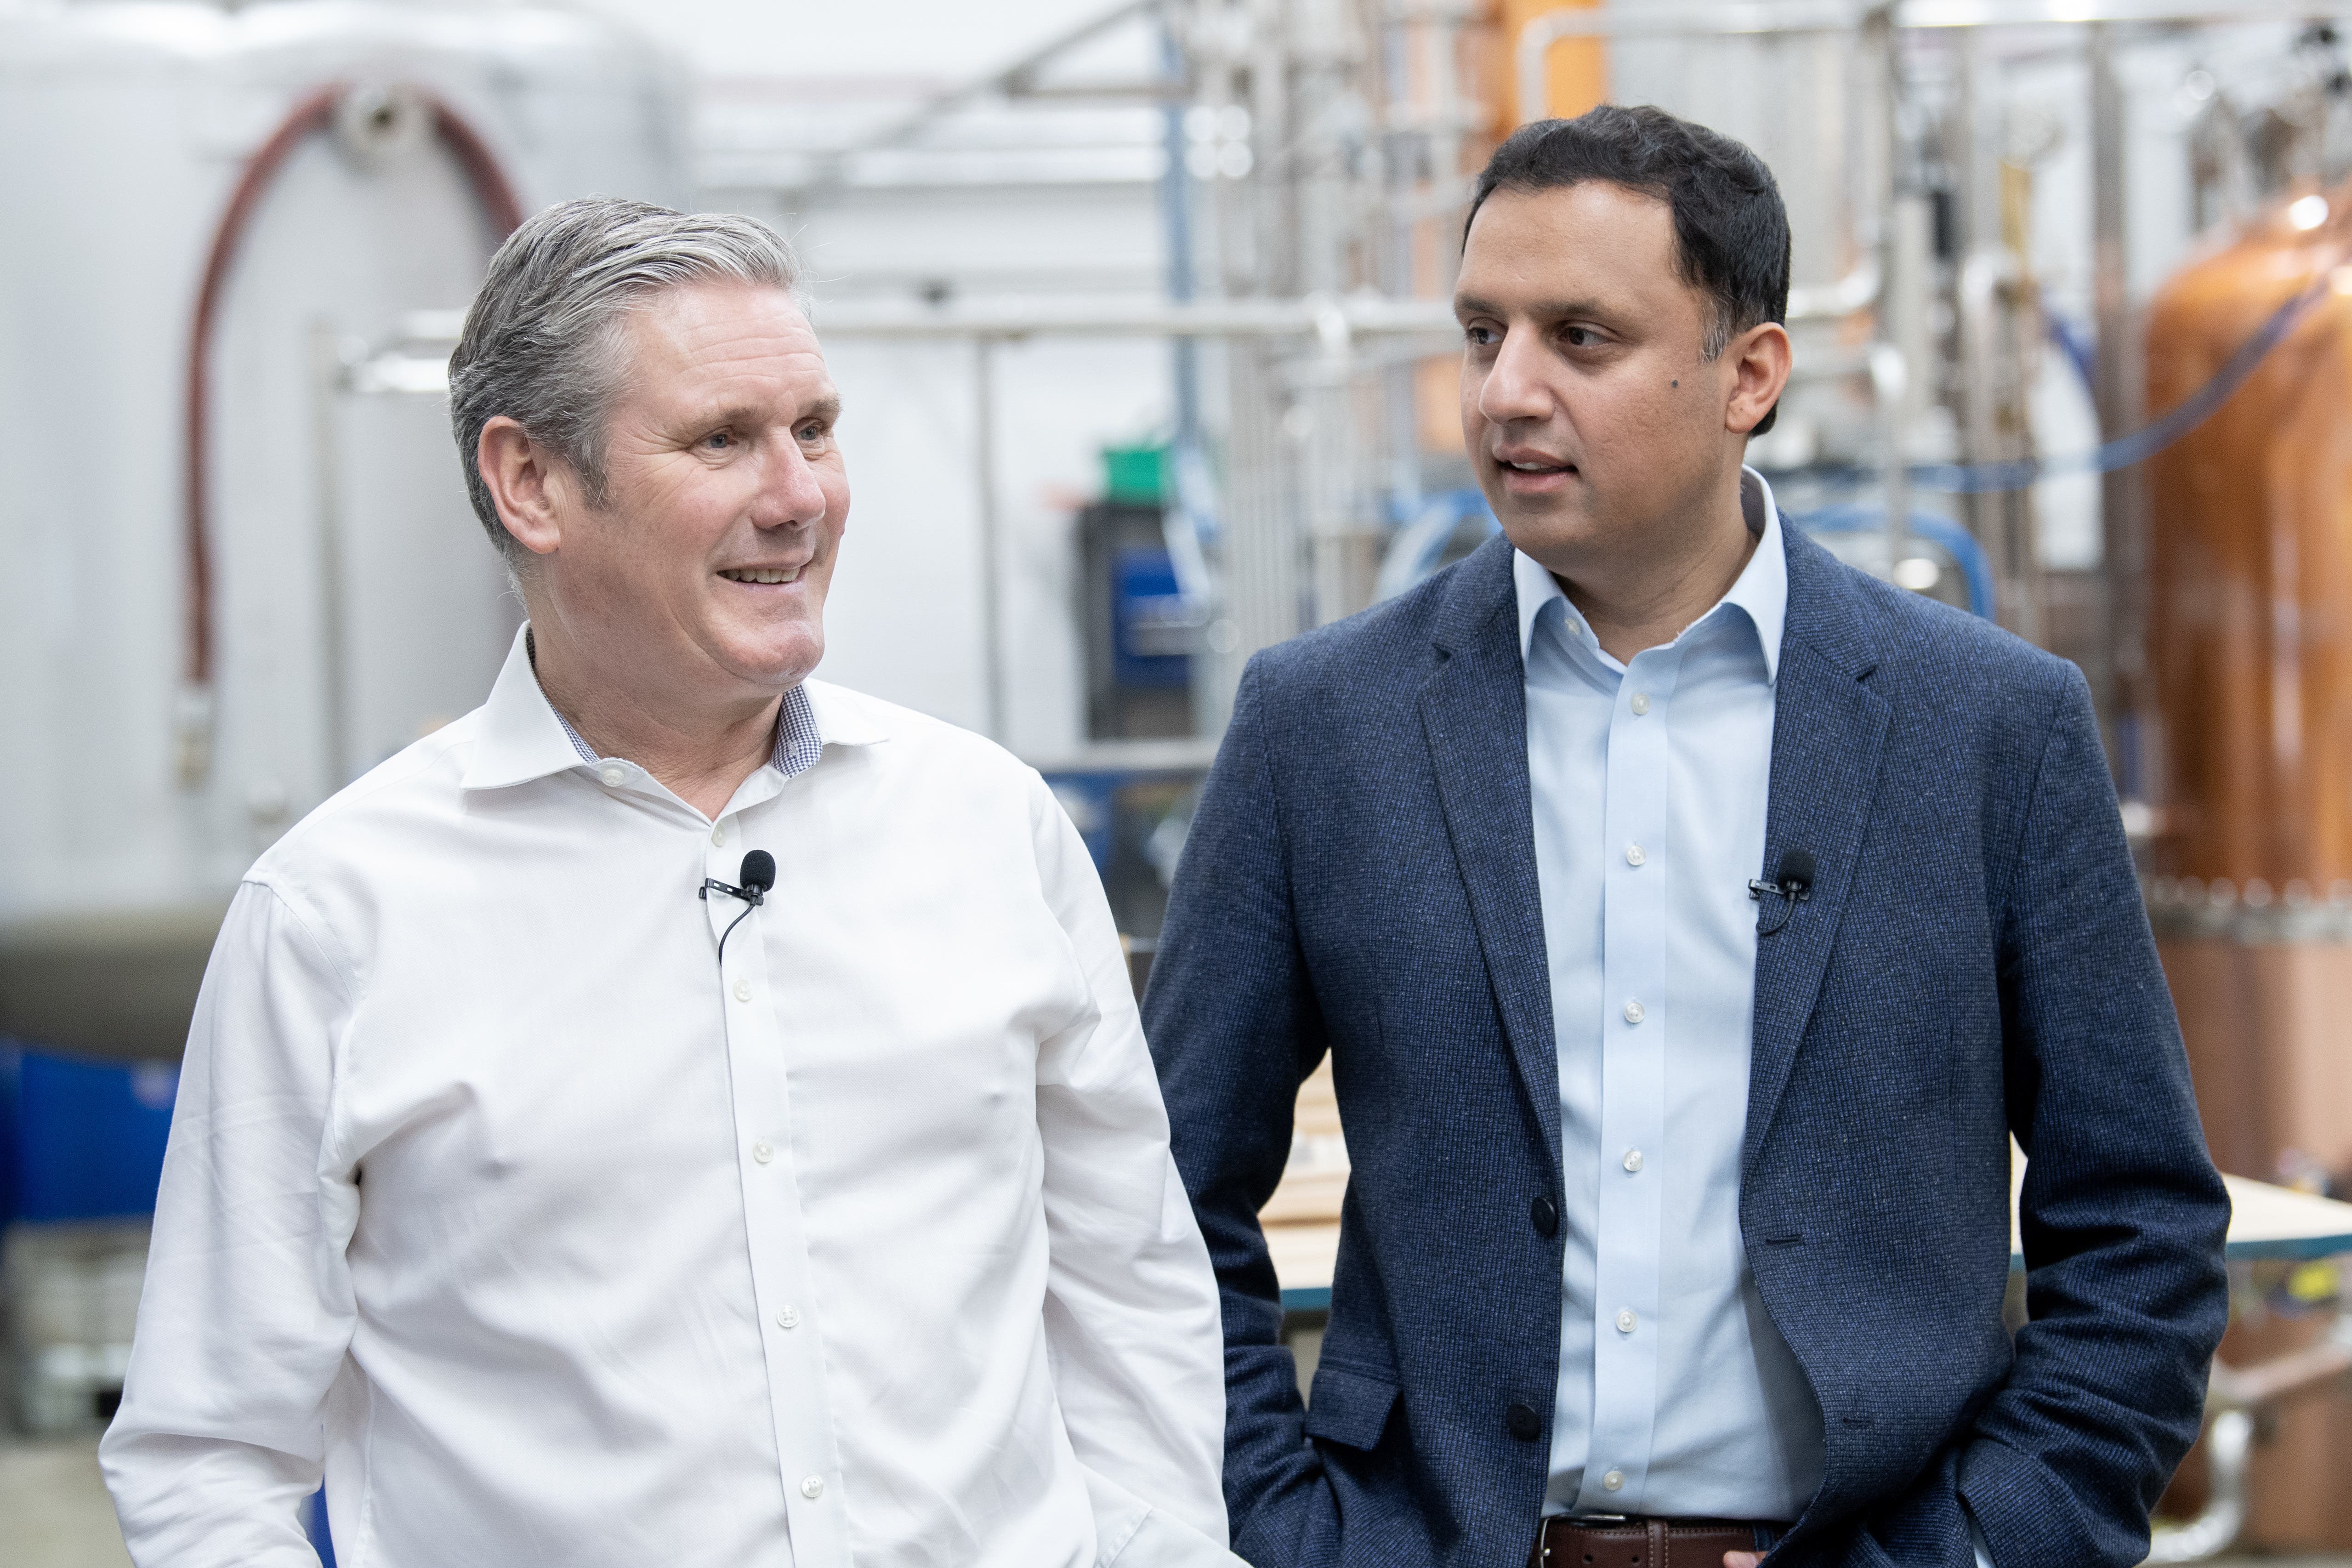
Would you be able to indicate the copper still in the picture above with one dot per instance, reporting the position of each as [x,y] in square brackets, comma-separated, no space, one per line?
[2251,565]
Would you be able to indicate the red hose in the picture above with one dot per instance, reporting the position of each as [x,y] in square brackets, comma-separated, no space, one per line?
[314,113]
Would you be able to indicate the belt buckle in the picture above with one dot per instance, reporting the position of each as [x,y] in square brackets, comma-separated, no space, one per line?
[1575,1522]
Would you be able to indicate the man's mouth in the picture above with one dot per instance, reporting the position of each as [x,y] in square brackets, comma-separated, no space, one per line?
[1519,468]
[761,573]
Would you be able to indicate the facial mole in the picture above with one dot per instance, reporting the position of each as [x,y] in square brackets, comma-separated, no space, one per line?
[1674,384]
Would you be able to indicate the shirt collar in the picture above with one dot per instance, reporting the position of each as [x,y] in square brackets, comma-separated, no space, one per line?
[1761,590]
[522,737]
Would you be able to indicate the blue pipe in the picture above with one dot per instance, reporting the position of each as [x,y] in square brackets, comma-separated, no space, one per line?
[1855,518]
[2078,348]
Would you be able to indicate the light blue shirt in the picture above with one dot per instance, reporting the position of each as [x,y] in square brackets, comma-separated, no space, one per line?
[1649,779]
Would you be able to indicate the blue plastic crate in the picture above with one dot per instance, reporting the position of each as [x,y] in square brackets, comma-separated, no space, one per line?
[80,1139]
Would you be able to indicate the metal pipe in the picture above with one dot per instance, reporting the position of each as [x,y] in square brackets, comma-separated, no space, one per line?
[1362,315]
[1349,317]
[2122,651]
[2216,1527]
[991,607]
[1896,362]
[1851,295]
[2232,1397]
[1751,18]
[1176,220]
[327,378]
[1324,319]
[1007,81]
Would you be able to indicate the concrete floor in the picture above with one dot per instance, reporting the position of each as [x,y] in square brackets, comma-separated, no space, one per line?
[54,1512]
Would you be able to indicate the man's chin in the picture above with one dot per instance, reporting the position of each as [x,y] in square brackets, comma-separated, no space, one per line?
[774,662]
[1550,536]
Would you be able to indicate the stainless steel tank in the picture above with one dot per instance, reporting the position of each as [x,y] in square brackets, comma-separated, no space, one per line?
[233,575]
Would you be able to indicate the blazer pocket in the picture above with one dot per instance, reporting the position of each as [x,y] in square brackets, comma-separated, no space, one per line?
[1348,1408]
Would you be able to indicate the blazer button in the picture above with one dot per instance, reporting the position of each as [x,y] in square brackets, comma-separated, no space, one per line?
[1522,1423]
[1546,1218]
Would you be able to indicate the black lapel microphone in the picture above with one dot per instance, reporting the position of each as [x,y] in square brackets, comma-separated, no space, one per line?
[1792,884]
[758,875]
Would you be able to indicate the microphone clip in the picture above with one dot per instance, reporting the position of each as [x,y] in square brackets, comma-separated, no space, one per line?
[752,896]
[1792,884]
[759,874]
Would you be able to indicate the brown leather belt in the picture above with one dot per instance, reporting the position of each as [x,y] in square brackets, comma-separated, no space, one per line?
[1637,1542]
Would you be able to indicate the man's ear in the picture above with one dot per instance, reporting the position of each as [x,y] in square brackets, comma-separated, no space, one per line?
[534,490]
[1759,359]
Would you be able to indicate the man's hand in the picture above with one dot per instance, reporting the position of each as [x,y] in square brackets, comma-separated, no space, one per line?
[1742,1559]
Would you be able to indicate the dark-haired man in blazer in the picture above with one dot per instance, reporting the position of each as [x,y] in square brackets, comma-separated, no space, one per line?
[1691,920]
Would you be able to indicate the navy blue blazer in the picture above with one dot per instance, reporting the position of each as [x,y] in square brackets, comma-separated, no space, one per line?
[1974,961]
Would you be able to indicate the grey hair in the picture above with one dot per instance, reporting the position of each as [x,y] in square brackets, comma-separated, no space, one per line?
[542,343]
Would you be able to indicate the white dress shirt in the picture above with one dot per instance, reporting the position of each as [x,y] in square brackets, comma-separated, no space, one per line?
[554,1243]
[1649,781]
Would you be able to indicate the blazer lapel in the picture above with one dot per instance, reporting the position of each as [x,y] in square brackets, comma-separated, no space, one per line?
[1829,734]
[1474,714]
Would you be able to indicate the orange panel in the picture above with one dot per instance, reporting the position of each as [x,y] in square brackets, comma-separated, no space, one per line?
[1576,70]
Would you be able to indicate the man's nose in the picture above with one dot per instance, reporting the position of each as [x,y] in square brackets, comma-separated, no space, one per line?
[1515,388]
[790,495]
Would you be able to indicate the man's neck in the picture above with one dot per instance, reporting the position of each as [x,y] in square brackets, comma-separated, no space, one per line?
[700,756]
[1651,602]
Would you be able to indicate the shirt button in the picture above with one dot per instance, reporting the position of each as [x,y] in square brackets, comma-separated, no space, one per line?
[1634,1013]
[813,1488]
[1627,1322]
[719,832]
[788,1319]
[1633,1158]
[1633,855]
[742,991]
[763,1152]
[1614,1480]
[1641,703]
[612,773]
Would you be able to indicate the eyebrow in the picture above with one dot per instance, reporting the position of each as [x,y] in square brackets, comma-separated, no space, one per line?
[825,409]
[1551,310]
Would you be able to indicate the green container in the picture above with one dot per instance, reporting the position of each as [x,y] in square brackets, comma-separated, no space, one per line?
[1135,475]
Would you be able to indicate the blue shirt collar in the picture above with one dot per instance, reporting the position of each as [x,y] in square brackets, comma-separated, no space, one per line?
[1761,590]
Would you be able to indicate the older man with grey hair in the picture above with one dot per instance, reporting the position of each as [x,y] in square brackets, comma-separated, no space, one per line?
[683,1112]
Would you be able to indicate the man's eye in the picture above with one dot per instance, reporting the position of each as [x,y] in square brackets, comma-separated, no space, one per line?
[1582,337]
[719,440]
[812,431]
[1481,336]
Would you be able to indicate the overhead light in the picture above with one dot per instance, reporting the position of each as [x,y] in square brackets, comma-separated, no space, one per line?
[2307,212]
